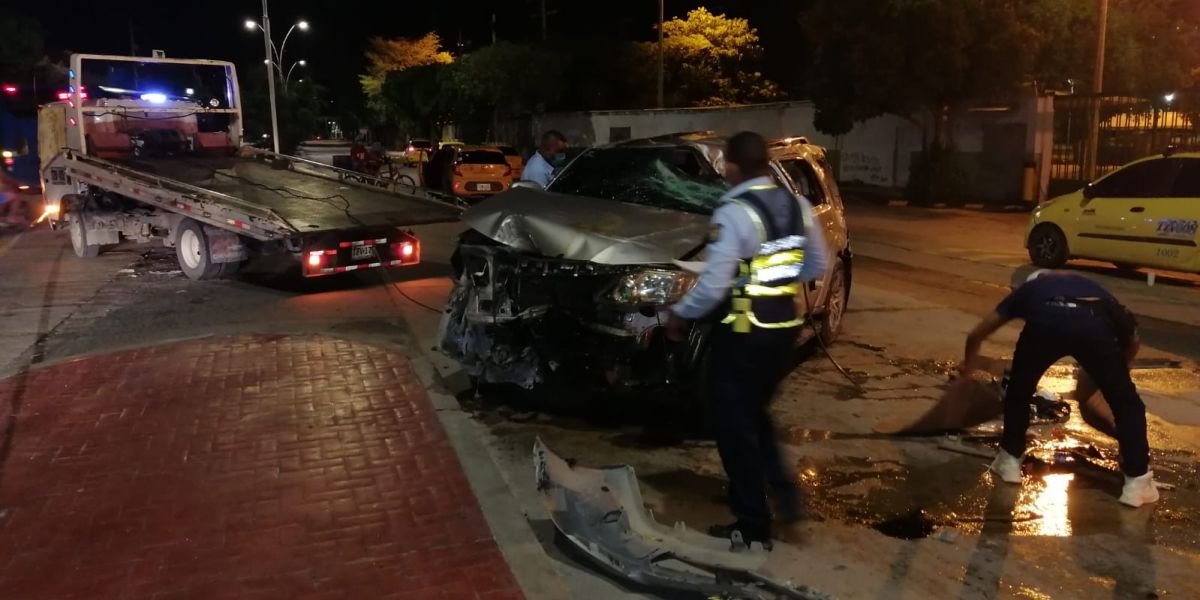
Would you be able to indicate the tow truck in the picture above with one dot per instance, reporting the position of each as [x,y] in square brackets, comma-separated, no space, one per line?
[139,148]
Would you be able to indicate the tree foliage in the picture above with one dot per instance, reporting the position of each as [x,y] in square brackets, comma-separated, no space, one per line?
[300,109]
[924,59]
[511,79]
[423,97]
[710,60]
[385,56]
[912,57]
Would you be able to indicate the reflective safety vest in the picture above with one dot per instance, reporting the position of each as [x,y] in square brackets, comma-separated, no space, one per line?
[763,294]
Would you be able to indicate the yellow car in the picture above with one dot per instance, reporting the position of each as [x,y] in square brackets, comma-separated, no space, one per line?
[1141,215]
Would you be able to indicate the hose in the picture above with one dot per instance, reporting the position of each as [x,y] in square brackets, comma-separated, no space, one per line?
[825,349]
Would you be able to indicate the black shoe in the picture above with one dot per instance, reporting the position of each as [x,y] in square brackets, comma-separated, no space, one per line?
[742,535]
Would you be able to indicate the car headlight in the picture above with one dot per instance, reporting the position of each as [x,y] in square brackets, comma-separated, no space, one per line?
[653,286]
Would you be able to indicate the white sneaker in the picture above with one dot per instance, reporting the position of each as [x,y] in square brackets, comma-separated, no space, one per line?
[1139,490]
[1007,467]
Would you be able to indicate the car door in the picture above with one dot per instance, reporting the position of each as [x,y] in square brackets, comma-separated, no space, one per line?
[804,180]
[1114,219]
[1175,220]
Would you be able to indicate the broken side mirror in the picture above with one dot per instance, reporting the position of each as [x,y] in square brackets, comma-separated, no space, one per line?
[1089,191]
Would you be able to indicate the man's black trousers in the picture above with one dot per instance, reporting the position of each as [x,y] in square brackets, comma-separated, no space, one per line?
[1089,339]
[744,371]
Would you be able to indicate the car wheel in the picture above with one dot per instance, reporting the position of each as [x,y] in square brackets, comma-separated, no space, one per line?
[1048,246]
[79,241]
[835,304]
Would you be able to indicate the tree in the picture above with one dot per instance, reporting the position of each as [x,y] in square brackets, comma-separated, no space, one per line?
[21,48]
[604,73]
[922,60]
[300,107]
[710,60]
[424,97]
[490,79]
[385,56]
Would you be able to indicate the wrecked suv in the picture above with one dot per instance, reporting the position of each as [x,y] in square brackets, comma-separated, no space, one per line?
[573,283]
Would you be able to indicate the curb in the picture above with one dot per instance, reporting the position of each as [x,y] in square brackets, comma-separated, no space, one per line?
[510,526]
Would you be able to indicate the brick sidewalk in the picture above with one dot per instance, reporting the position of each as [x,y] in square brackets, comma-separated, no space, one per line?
[245,467]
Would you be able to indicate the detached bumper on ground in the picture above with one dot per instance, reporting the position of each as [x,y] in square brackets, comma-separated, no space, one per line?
[601,512]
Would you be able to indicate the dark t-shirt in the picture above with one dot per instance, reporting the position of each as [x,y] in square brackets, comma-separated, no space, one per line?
[1025,301]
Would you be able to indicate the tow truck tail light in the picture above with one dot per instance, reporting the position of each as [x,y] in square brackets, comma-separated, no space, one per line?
[67,94]
[406,251]
[316,258]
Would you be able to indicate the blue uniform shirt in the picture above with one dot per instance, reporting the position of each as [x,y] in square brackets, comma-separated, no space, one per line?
[538,170]
[739,239]
[1029,300]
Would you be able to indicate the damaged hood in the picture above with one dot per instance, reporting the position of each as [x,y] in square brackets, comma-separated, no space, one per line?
[587,229]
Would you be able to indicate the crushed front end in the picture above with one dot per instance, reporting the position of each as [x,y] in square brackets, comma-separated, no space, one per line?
[520,318]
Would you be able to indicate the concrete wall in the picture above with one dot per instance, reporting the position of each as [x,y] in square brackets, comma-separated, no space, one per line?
[877,152]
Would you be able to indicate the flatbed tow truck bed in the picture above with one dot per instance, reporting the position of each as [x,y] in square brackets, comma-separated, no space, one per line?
[306,201]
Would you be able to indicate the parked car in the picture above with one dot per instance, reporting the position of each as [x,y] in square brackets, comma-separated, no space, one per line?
[417,151]
[468,171]
[514,159]
[1144,214]
[574,282]
[324,151]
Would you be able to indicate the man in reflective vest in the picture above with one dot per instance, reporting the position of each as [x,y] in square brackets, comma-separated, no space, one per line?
[764,246]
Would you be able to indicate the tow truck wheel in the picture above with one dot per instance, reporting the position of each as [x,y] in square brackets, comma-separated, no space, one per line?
[192,250]
[79,241]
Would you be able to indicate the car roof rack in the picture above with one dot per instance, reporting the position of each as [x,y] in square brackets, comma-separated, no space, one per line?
[789,141]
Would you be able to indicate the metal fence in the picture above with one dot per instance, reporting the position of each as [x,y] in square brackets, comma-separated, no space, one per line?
[1130,128]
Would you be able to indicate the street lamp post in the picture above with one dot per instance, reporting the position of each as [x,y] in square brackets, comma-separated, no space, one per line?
[274,63]
[661,57]
[1092,150]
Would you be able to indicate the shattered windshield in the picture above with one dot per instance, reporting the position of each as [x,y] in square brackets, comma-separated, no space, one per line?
[671,177]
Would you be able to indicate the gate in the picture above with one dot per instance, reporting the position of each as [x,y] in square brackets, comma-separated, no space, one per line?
[1130,128]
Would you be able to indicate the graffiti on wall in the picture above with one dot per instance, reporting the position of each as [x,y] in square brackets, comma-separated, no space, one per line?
[863,167]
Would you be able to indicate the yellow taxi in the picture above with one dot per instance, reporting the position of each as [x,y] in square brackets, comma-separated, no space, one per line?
[1141,215]
[514,159]
[468,171]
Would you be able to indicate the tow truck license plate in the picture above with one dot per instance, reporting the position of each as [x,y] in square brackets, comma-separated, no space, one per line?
[363,253]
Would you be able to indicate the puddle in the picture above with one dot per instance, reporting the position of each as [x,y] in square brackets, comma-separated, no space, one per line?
[912,526]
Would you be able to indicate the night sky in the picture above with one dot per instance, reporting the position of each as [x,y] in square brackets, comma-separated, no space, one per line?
[334,44]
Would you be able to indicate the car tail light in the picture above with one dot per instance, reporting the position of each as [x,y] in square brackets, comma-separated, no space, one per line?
[10,89]
[411,149]
[315,258]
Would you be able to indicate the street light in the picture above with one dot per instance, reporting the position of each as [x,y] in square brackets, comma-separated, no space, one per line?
[274,61]
[287,78]
[1169,98]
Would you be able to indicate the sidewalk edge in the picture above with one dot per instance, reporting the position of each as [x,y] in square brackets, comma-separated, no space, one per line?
[532,567]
